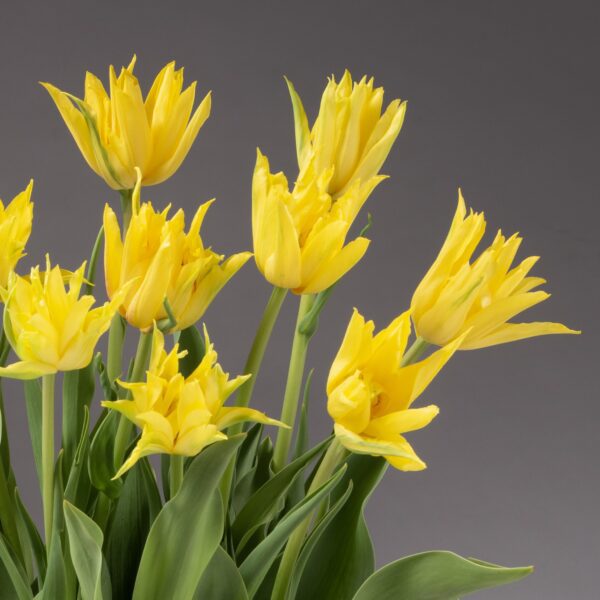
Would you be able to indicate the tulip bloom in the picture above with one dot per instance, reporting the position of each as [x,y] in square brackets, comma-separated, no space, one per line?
[370,394]
[160,261]
[299,235]
[350,134]
[180,415]
[15,228]
[118,132]
[458,296]
[49,326]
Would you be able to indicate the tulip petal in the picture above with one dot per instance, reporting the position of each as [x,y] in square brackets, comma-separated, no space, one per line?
[198,119]
[230,415]
[402,421]
[26,369]
[511,332]
[397,447]
[335,268]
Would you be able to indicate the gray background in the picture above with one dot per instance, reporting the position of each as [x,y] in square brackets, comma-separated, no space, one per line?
[502,101]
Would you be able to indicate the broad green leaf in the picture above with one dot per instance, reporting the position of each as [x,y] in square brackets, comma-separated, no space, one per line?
[100,457]
[12,579]
[343,557]
[221,580]
[301,128]
[85,544]
[133,515]
[436,576]
[266,503]
[188,529]
[191,339]
[312,540]
[33,403]
[78,391]
[256,566]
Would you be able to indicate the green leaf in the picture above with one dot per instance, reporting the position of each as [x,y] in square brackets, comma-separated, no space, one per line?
[34,542]
[188,529]
[298,488]
[12,582]
[221,580]
[55,582]
[78,487]
[133,515]
[312,540]
[85,542]
[78,391]
[247,456]
[266,503]
[435,576]
[257,476]
[191,339]
[100,458]
[301,128]
[33,403]
[256,566]
[343,557]
[4,446]
[8,524]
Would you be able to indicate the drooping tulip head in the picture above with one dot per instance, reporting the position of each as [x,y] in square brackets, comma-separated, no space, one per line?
[460,294]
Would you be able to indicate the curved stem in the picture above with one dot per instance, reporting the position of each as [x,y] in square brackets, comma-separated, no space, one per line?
[139,367]
[175,474]
[293,385]
[48,453]
[414,352]
[335,454]
[259,345]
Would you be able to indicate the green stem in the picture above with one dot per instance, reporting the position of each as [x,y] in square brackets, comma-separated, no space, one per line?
[116,337]
[126,207]
[253,363]
[259,345]
[175,473]
[48,453]
[139,367]
[414,352]
[293,385]
[335,454]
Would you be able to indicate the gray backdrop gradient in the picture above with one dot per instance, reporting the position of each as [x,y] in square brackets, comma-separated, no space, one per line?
[502,100]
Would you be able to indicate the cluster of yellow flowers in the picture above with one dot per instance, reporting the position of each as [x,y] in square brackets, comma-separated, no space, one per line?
[160,277]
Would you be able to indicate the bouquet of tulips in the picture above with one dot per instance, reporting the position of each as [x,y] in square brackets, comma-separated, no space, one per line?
[180,489]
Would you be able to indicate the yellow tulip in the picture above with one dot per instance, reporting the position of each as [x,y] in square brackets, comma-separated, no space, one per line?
[457,295]
[370,394]
[118,132]
[350,134]
[163,262]
[299,235]
[180,415]
[15,228]
[51,328]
